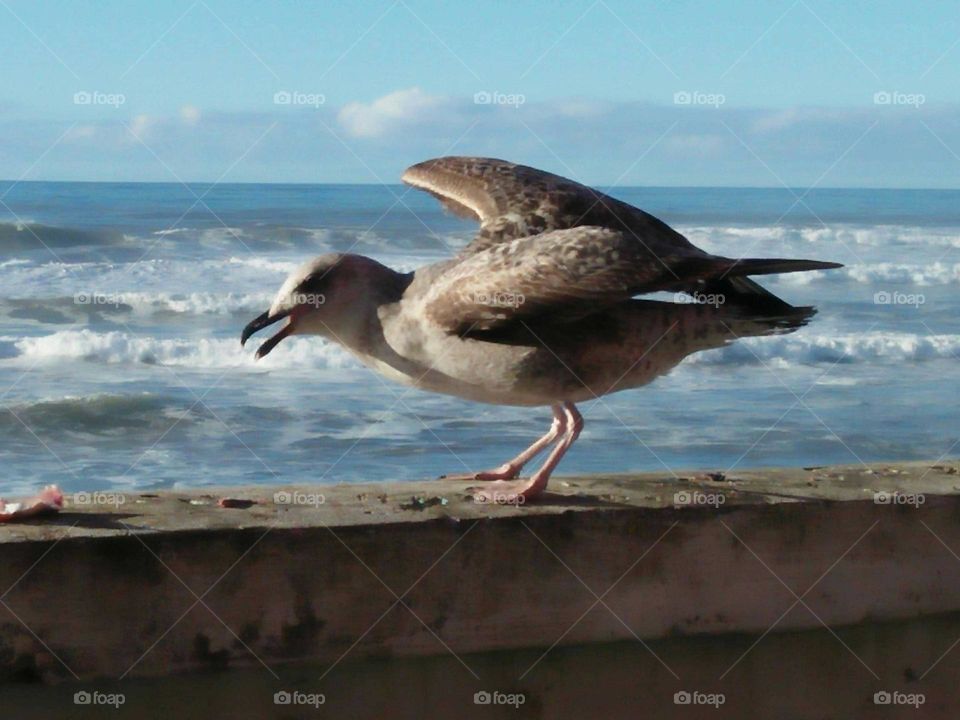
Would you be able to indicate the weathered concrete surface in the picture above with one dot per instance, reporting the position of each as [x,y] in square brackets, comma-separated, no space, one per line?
[822,674]
[170,582]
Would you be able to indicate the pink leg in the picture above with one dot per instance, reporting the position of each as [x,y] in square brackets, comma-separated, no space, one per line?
[511,469]
[519,492]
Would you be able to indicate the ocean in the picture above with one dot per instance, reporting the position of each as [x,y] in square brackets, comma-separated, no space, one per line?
[121,307]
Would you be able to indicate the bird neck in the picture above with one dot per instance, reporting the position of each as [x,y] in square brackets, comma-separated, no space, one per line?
[362,287]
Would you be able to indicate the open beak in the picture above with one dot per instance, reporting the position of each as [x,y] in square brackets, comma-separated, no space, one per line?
[262,321]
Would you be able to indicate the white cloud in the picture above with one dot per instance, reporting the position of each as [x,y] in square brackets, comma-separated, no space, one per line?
[140,126]
[599,140]
[80,132]
[581,107]
[190,114]
[387,113]
[777,120]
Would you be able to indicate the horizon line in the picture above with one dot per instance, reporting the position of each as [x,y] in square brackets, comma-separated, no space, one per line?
[594,186]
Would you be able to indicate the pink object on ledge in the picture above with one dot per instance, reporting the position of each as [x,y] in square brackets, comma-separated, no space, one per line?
[49,500]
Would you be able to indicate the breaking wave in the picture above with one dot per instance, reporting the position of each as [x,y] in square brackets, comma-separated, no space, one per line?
[833,236]
[102,413]
[140,304]
[115,347]
[35,236]
[809,349]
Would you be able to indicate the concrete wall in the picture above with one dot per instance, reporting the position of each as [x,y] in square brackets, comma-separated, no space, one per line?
[171,583]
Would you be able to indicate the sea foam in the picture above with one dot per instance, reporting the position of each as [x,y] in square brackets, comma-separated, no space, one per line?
[117,347]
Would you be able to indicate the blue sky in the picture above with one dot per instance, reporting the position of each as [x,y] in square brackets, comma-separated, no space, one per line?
[796,92]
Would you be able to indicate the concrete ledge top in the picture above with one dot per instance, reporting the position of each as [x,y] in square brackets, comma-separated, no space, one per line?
[113,513]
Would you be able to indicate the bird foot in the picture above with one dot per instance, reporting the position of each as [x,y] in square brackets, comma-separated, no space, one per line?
[504,472]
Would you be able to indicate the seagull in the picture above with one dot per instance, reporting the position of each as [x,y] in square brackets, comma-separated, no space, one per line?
[541,308]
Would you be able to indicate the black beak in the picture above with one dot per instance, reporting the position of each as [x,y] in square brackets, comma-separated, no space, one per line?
[262,321]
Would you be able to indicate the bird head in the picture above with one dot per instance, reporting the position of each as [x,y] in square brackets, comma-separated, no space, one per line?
[308,300]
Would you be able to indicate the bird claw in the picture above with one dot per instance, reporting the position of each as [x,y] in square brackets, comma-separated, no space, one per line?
[460,478]
[504,472]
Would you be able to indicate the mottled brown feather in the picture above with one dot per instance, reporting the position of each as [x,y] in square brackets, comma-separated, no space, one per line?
[567,250]
[565,274]
[513,201]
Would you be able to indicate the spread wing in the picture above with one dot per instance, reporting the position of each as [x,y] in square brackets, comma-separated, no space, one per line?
[515,201]
[557,276]
[554,250]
